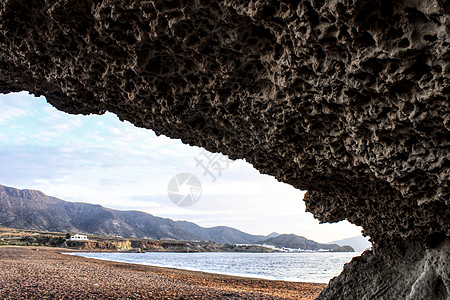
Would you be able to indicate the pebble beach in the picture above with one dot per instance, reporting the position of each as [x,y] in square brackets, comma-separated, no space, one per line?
[45,273]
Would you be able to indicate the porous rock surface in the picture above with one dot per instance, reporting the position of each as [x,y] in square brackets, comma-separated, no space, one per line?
[346,99]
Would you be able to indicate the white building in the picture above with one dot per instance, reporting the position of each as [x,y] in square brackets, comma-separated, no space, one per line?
[79,237]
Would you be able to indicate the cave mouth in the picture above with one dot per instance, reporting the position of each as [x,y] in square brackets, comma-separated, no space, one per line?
[53,141]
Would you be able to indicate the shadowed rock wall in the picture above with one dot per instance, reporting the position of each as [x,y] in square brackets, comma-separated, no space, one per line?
[346,99]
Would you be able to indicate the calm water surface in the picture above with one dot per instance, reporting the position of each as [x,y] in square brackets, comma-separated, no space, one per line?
[305,267]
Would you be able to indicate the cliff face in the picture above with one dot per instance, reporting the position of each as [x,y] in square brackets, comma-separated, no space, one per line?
[347,99]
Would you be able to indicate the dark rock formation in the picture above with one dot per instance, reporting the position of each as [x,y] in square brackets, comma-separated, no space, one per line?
[347,99]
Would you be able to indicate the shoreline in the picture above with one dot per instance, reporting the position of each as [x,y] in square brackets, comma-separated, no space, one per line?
[36,273]
[242,276]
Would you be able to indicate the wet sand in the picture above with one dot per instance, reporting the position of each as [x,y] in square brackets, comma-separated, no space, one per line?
[45,273]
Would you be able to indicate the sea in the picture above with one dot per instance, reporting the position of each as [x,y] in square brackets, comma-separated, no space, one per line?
[317,267]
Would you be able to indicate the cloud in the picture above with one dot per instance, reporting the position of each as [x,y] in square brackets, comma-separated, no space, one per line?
[9,113]
[13,106]
[42,181]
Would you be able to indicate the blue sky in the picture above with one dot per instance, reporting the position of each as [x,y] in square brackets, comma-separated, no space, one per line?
[101,160]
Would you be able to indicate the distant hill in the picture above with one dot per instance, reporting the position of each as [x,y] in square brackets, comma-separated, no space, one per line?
[359,243]
[273,234]
[29,209]
[296,242]
[345,248]
[221,234]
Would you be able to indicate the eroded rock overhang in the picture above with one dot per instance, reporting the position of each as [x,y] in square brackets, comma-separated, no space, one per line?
[346,99]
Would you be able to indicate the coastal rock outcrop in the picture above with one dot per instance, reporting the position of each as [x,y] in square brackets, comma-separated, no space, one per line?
[347,99]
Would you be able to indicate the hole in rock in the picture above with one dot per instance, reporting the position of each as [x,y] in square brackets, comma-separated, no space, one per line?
[440,291]
[404,43]
[268,12]
[100,160]
[435,239]
[430,38]
[365,40]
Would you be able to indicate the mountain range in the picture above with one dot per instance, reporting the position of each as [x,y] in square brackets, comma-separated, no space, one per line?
[30,209]
[358,243]
[296,242]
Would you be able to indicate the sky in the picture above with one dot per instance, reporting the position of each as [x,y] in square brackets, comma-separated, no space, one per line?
[100,160]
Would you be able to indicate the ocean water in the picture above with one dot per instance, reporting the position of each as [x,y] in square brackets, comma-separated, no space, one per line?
[317,267]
